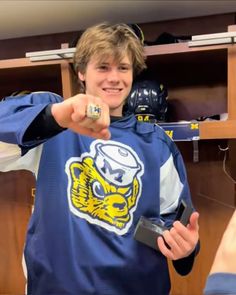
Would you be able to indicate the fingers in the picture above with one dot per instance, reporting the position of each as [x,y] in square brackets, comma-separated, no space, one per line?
[98,119]
[181,245]
[194,220]
[174,247]
[180,241]
[103,134]
[165,250]
[84,114]
[92,113]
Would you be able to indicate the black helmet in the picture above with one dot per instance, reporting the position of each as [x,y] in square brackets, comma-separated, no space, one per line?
[148,101]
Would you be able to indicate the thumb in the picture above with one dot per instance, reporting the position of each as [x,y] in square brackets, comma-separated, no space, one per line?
[193,222]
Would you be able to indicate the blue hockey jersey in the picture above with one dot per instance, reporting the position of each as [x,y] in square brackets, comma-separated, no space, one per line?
[90,195]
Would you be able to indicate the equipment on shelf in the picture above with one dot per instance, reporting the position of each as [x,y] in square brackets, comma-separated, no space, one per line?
[148,101]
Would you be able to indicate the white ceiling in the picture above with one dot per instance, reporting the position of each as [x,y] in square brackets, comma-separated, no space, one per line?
[30,18]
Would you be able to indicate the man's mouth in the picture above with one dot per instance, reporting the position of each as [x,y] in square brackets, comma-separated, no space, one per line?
[112,90]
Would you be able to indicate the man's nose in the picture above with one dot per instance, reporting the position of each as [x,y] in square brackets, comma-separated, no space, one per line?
[113,76]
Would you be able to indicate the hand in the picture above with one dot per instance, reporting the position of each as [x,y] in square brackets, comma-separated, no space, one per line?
[226,254]
[180,240]
[71,113]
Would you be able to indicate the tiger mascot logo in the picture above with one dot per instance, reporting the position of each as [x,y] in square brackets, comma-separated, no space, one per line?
[104,185]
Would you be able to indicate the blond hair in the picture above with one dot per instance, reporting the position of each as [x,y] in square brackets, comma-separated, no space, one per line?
[105,40]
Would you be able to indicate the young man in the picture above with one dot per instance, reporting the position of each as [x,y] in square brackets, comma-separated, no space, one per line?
[97,174]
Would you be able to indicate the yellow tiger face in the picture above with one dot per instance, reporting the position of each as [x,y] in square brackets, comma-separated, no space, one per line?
[99,201]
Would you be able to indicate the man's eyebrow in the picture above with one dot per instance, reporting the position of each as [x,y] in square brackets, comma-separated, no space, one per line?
[102,63]
[120,64]
[125,64]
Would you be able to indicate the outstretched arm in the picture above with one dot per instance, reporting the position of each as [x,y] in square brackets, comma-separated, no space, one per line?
[19,115]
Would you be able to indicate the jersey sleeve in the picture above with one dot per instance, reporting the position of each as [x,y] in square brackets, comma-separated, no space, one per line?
[11,158]
[174,185]
[220,283]
[18,113]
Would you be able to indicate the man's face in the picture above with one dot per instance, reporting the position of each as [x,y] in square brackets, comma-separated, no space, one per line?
[109,80]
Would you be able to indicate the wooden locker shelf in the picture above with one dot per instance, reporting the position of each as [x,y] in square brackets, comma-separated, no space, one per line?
[167,54]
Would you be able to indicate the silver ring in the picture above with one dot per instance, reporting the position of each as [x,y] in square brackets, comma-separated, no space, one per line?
[93,111]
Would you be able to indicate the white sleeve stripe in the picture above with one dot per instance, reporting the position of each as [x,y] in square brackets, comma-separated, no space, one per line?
[11,159]
[170,187]
[8,153]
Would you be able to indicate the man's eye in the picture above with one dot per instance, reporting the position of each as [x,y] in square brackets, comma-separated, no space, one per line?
[124,68]
[102,68]
[98,190]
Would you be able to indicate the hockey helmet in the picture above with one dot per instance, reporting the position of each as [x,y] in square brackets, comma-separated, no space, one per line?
[148,101]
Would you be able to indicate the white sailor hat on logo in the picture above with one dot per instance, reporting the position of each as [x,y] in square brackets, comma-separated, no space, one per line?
[116,163]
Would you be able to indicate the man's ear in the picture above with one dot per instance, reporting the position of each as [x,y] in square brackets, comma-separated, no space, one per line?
[81,76]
